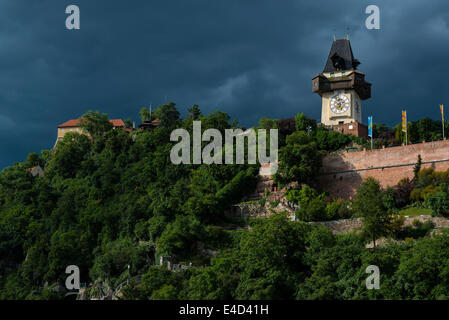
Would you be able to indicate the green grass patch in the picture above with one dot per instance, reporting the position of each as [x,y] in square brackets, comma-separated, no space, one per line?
[413,212]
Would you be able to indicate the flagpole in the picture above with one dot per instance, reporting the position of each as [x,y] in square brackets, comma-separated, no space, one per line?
[442,117]
[406,129]
[404,125]
[370,129]
[406,132]
[442,121]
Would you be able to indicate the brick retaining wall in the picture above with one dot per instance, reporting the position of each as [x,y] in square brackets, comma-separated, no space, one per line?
[343,173]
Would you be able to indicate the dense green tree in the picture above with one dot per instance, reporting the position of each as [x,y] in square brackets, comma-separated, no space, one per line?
[423,270]
[114,258]
[331,140]
[299,160]
[439,201]
[144,114]
[303,123]
[194,113]
[69,156]
[417,167]
[272,259]
[180,237]
[339,209]
[424,129]
[312,205]
[95,123]
[334,262]
[369,204]
[266,123]
[168,115]
[117,200]
[401,136]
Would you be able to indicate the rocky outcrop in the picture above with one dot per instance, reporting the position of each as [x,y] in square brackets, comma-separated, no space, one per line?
[262,208]
[354,225]
[342,226]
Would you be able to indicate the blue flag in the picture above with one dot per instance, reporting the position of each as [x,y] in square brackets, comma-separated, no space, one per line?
[370,126]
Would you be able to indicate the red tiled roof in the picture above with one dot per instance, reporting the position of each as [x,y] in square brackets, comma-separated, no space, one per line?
[70,123]
[156,121]
[75,123]
[117,123]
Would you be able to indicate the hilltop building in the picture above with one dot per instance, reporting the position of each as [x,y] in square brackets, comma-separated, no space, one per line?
[74,126]
[342,89]
[150,125]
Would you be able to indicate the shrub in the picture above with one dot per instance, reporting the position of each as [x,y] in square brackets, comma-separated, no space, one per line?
[409,240]
[438,202]
[339,209]
[331,140]
[402,192]
[415,231]
[180,236]
[312,204]
[422,194]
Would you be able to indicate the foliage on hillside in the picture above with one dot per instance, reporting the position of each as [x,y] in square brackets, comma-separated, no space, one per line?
[114,199]
[110,200]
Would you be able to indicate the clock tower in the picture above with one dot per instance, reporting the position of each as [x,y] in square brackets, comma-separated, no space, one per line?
[342,89]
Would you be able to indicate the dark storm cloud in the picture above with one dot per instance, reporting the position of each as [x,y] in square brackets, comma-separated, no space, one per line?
[250,58]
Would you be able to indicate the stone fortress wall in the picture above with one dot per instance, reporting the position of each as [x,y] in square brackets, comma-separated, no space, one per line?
[343,173]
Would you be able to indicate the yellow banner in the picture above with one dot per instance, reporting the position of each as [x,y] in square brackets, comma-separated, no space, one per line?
[404,121]
[442,111]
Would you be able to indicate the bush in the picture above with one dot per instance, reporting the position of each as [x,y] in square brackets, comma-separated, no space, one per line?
[180,236]
[402,192]
[312,205]
[415,231]
[339,209]
[115,258]
[331,140]
[438,202]
[419,195]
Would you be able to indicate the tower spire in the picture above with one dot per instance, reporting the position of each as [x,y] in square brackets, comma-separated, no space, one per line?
[342,89]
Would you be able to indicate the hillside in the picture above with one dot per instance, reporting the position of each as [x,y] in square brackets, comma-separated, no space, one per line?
[113,204]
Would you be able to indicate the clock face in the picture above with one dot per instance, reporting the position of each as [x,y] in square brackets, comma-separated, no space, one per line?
[339,104]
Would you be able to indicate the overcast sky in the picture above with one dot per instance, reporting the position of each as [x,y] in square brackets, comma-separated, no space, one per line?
[249,58]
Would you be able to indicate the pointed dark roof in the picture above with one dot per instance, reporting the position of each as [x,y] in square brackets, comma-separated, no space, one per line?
[341,57]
